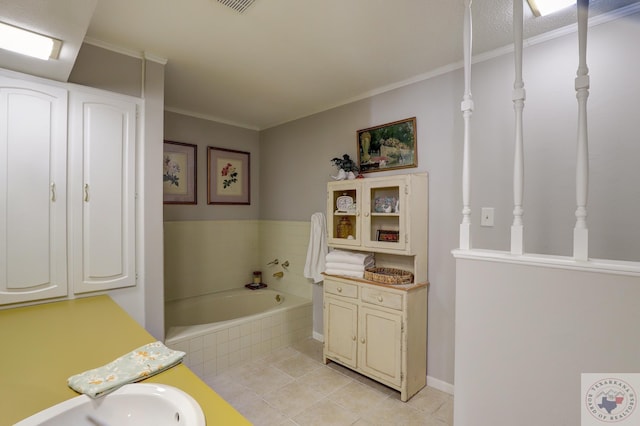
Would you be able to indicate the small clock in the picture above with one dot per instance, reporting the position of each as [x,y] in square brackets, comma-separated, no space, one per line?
[343,203]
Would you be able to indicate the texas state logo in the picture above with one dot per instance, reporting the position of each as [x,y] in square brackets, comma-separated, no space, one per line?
[610,399]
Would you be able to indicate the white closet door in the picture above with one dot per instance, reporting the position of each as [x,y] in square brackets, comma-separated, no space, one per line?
[33,137]
[103,143]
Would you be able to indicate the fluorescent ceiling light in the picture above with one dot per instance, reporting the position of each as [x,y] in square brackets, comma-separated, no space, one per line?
[28,43]
[545,7]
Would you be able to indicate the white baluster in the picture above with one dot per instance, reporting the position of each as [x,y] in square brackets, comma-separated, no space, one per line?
[580,232]
[518,98]
[467,109]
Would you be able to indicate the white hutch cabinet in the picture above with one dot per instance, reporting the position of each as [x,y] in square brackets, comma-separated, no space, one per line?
[67,198]
[376,329]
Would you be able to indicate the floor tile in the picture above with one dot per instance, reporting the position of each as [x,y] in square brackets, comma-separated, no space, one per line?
[325,380]
[326,412]
[293,398]
[293,387]
[297,365]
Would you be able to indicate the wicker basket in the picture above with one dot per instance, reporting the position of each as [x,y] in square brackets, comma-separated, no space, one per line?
[388,275]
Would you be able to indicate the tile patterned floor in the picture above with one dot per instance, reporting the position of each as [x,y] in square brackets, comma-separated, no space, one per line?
[293,387]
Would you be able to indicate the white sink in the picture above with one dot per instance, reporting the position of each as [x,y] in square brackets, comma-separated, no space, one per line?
[139,404]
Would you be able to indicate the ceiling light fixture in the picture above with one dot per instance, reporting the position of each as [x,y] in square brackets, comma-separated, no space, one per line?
[28,43]
[545,7]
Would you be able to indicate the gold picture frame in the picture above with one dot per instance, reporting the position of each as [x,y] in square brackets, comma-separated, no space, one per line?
[388,146]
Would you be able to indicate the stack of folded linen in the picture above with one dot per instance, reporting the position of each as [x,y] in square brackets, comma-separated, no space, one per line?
[347,263]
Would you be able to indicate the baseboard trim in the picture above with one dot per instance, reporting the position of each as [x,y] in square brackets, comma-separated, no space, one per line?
[440,385]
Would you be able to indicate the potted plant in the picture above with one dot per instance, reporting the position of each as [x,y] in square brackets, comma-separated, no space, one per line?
[347,168]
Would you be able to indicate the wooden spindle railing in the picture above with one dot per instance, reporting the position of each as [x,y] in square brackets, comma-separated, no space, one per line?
[519,95]
[467,109]
[580,232]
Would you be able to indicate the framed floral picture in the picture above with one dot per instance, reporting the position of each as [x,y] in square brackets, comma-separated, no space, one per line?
[179,173]
[387,147]
[228,176]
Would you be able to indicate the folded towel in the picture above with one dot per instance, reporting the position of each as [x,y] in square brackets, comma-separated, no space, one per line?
[350,266]
[138,364]
[342,256]
[345,272]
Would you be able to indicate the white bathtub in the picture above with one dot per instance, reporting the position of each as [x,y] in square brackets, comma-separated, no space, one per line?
[220,330]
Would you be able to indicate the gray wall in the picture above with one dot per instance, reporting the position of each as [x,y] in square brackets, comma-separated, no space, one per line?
[296,168]
[295,159]
[204,133]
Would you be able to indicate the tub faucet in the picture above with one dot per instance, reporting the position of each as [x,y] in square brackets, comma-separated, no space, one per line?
[279,274]
[273,262]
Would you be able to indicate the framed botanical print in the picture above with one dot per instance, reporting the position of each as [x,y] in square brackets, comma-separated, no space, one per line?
[179,173]
[228,176]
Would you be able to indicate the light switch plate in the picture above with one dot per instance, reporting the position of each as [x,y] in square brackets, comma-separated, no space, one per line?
[487,216]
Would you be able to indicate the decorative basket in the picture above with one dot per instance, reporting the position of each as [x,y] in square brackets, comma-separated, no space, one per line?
[388,275]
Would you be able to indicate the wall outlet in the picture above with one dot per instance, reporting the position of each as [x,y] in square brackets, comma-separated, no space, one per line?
[487,216]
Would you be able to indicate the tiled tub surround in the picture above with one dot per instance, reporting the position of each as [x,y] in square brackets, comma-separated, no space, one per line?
[216,346]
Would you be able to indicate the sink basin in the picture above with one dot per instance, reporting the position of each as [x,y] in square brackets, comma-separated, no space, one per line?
[138,404]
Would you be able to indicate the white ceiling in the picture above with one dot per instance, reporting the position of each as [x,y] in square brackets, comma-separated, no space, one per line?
[281,59]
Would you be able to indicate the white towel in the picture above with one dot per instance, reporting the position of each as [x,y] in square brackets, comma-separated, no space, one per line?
[342,256]
[345,272]
[350,266]
[317,250]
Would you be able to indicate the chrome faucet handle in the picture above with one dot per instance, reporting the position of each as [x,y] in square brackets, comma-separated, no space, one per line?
[273,262]
[285,264]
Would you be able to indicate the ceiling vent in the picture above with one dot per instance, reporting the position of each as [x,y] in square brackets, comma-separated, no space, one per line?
[237,5]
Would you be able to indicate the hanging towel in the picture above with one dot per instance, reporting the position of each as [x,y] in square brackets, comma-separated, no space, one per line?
[137,365]
[343,256]
[317,250]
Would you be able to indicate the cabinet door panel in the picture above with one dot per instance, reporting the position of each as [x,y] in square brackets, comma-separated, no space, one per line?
[104,138]
[32,191]
[384,204]
[380,344]
[341,328]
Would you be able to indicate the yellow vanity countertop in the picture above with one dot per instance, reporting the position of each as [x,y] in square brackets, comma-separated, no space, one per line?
[42,345]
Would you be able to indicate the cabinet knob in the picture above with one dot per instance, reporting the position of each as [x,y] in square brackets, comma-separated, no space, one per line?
[366,214]
[362,340]
[380,299]
[339,289]
[353,338]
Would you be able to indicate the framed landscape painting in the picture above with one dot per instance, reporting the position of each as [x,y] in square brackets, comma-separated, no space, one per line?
[388,146]
[228,176]
[179,173]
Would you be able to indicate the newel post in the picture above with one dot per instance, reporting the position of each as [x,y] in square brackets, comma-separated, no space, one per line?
[467,109]
[580,232]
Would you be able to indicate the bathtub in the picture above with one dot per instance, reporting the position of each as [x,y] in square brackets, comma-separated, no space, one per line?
[220,330]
